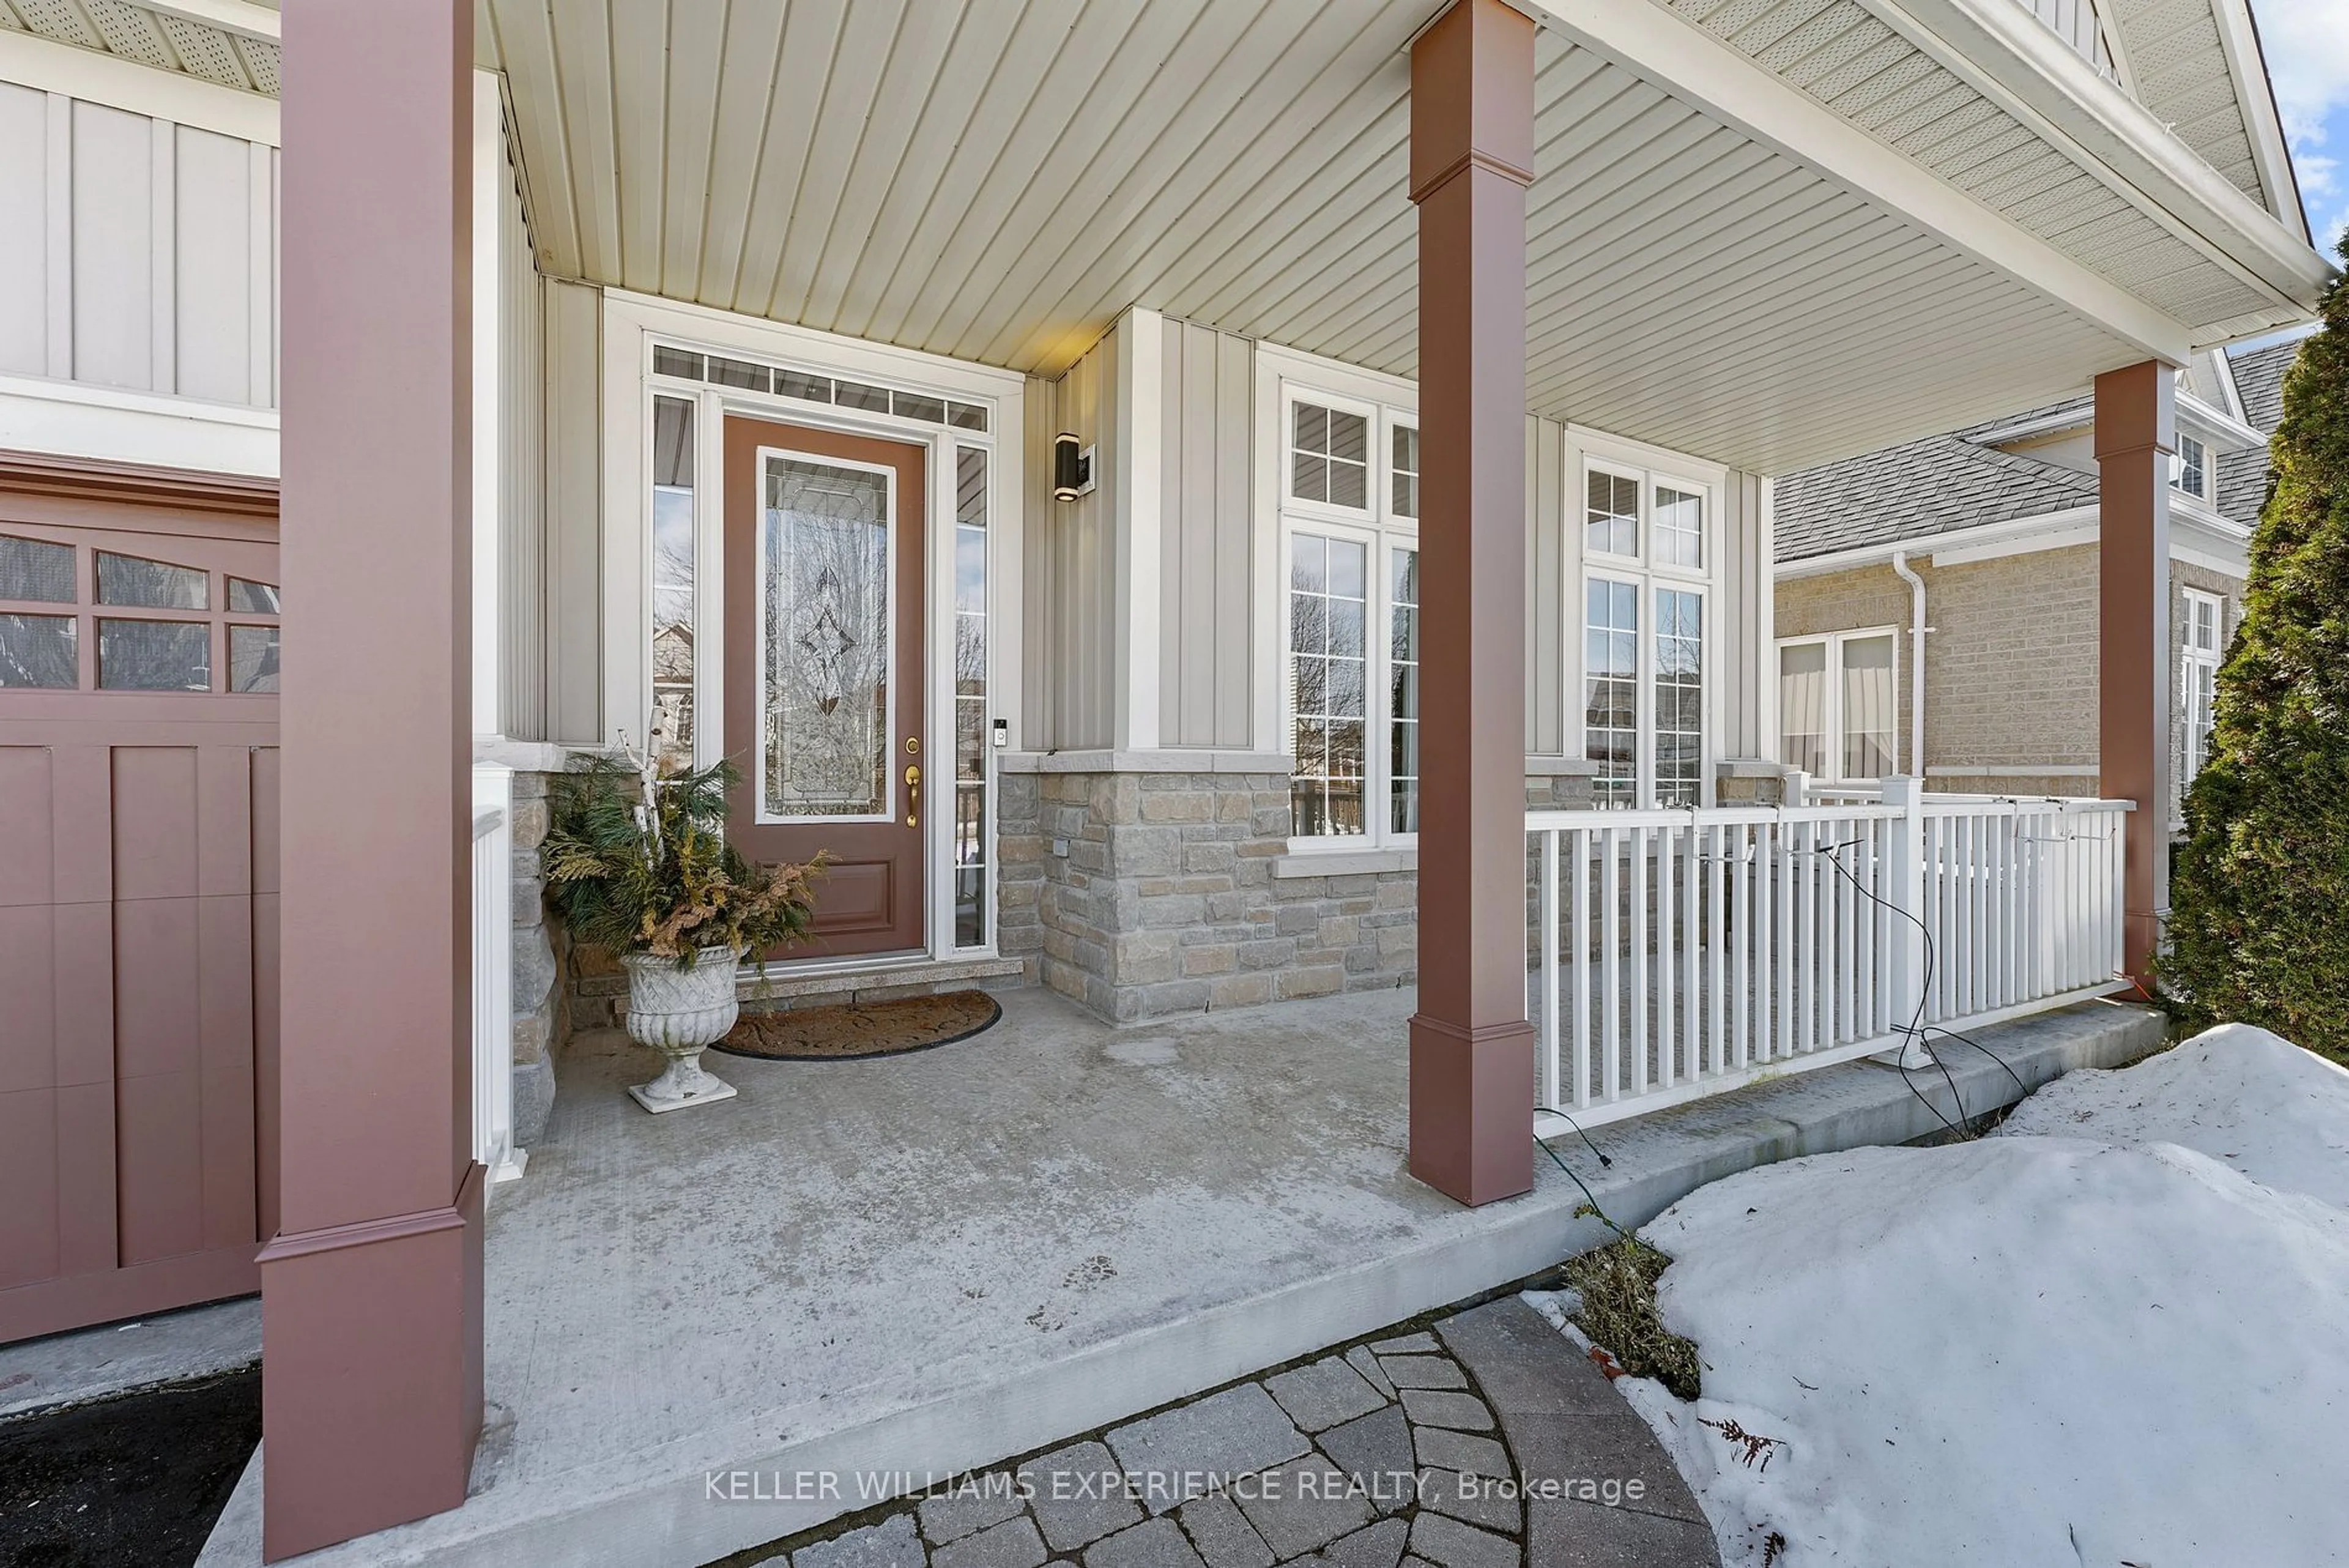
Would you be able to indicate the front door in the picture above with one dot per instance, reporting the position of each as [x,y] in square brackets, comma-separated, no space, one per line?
[824,610]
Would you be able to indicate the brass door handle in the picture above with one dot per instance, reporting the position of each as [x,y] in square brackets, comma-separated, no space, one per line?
[913,790]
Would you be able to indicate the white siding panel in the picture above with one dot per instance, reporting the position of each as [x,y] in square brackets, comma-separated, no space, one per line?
[1204,538]
[136,253]
[573,510]
[215,268]
[113,248]
[23,226]
[1551,610]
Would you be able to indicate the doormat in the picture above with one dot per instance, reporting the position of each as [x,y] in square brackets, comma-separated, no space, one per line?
[871,1029]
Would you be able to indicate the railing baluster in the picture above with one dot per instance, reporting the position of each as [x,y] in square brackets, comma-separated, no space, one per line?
[1638,960]
[1610,954]
[1691,954]
[1741,877]
[1716,918]
[1550,1000]
[1667,866]
[1585,867]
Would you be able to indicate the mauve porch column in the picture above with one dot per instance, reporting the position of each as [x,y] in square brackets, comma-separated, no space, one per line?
[2136,430]
[1471,1051]
[371,1290]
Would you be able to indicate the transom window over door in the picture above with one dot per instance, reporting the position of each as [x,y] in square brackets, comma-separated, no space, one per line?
[1349,499]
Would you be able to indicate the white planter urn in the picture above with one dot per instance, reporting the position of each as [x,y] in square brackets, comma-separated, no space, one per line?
[678,1012]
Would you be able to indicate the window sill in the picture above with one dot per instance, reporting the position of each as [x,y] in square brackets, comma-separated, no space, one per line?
[1343,862]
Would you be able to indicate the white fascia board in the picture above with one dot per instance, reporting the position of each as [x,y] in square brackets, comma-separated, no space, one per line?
[117,83]
[2005,53]
[2042,424]
[65,418]
[242,17]
[2219,431]
[1696,66]
[2046,526]
[2059,537]
[2247,66]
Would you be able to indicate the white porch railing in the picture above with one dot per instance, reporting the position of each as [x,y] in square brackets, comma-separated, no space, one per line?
[493,1143]
[1682,953]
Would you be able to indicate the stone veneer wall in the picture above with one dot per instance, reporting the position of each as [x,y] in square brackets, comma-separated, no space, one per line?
[1144,893]
[541,954]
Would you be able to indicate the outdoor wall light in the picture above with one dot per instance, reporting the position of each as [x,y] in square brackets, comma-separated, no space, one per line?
[1073,468]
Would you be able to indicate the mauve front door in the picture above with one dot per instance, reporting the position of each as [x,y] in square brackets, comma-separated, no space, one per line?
[824,609]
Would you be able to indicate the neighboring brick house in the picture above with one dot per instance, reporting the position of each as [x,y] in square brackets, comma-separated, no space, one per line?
[1995,529]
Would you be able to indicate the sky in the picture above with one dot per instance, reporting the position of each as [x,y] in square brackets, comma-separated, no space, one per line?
[2306,43]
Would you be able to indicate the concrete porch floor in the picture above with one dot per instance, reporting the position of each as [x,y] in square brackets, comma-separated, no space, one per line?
[931,1262]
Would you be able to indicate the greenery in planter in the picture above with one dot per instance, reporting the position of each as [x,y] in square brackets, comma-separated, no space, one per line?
[631,876]
[2259,929]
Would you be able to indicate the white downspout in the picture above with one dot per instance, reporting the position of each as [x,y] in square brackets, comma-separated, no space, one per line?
[1917,629]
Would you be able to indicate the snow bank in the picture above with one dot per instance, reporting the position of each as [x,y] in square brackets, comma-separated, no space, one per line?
[2032,1350]
[2251,1099]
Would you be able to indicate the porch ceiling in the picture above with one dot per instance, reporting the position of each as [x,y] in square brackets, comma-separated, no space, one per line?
[995,181]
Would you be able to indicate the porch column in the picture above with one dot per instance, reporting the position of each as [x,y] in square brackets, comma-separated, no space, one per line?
[2136,433]
[371,1290]
[1471,1051]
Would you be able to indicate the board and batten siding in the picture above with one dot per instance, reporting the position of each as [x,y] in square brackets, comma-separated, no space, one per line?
[1205,537]
[1071,659]
[1744,587]
[572,345]
[136,253]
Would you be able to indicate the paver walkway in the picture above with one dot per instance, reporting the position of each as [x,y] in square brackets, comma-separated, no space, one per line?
[1482,1441]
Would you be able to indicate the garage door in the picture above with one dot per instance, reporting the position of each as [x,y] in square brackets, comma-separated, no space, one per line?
[138,919]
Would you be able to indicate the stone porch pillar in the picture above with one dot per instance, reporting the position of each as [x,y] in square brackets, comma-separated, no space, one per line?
[1472,1050]
[2136,433]
[371,1290]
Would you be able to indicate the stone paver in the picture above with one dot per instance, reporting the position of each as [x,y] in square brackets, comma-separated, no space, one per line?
[1360,1359]
[1222,1533]
[1380,1546]
[989,1500]
[1011,1544]
[1592,1535]
[1471,1497]
[1388,1478]
[1324,1394]
[1153,1543]
[1237,1432]
[1075,1502]
[1294,1510]
[1456,1545]
[892,1544]
[1422,1372]
[1461,1451]
[1375,1449]
[1436,1408]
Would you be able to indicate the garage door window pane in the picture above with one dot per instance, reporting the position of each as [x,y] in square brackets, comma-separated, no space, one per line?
[37,570]
[247,597]
[151,585]
[154,656]
[37,650]
[253,658]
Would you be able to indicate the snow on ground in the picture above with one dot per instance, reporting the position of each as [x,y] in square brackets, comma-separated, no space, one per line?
[2250,1099]
[2032,1350]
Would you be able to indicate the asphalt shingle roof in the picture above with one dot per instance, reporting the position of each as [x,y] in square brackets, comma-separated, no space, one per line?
[1945,482]
[1915,489]
[2259,379]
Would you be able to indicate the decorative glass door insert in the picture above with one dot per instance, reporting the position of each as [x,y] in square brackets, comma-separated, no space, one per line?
[824,571]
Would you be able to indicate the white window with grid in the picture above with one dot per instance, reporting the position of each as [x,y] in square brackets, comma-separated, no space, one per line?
[2202,644]
[1349,544]
[1647,548]
[2189,468]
